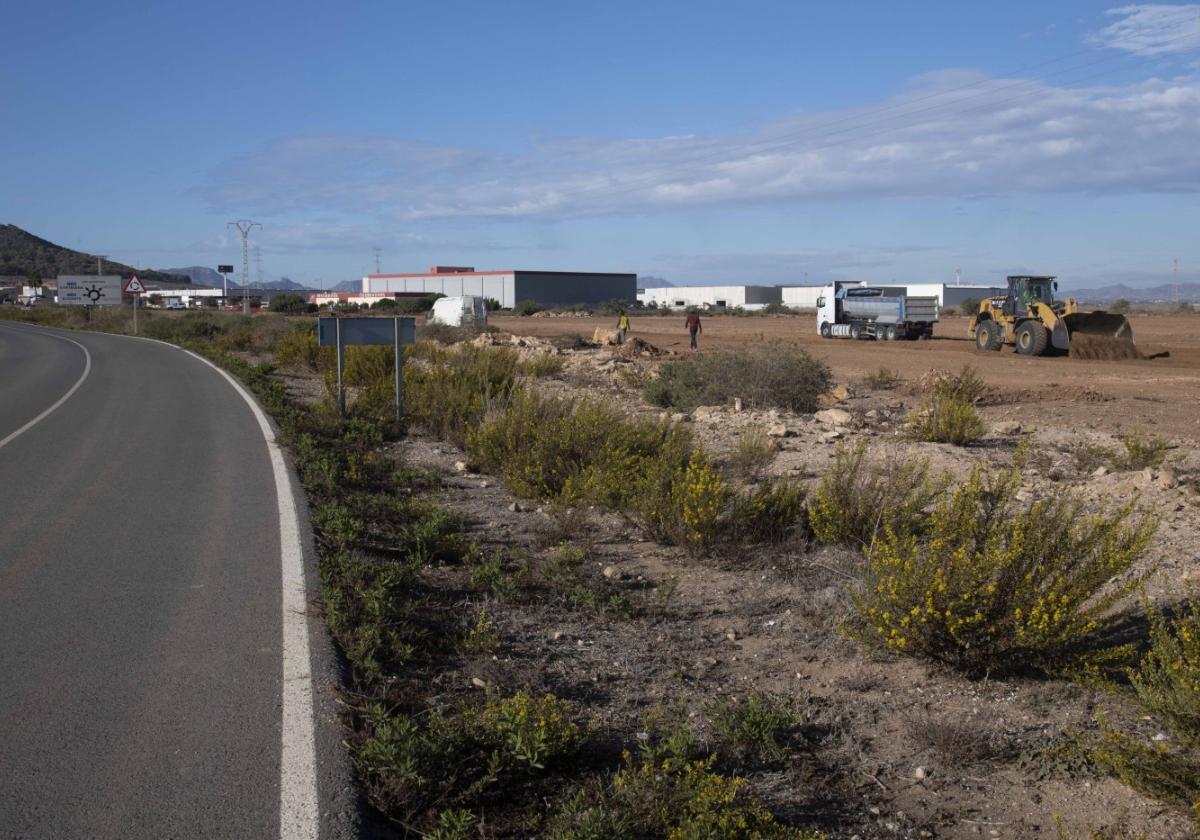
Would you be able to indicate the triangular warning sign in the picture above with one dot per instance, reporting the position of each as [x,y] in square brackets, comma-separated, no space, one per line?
[133,286]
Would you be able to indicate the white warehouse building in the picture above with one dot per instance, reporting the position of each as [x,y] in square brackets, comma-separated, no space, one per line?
[509,287]
[709,297]
[951,295]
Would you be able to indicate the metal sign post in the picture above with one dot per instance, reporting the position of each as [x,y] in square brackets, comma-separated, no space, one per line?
[340,332]
[133,286]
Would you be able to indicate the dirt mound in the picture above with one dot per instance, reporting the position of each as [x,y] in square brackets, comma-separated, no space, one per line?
[1103,348]
[637,348]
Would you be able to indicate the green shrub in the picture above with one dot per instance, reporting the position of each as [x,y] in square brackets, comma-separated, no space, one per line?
[527,307]
[754,453]
[679,801]
[882,379]
[412,764]
[289,304]
[489,575]
[752,730]
[1001,586]
[298,348]
[482,636]
[542,366]
[449,391]
[970,306]
[700,497]
[574,452]
[859,500]
[337,526]
[947,418]
[1141,451]
[768,513]
[368,609]
[1165,686]
[765,375]
[964,385]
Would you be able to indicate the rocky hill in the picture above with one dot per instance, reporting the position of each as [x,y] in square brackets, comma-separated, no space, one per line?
[24,255]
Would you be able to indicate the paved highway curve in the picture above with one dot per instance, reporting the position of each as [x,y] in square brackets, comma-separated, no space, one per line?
[141,605]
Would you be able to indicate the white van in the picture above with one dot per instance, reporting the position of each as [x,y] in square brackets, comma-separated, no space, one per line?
[465,311]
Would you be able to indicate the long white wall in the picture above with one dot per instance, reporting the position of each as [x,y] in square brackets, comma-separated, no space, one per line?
[680,297]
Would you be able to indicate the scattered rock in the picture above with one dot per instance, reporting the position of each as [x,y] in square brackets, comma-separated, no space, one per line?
[1007,428]
[478,683]
[731,635]
[842,393]
[1099,472]
[516,507]
[679,417]
[483,485]
[833,417]
[705,412]
[460,466]
[612,573]
[831,436]
[603,336]
[777,430]
[737,403]
[920,773]
[1167,479]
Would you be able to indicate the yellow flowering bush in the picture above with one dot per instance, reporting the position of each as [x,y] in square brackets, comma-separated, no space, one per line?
[999,585]
[700,497]
[1165,686]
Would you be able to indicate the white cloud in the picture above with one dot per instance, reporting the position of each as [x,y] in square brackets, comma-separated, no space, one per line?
[936,139]
[1153,29]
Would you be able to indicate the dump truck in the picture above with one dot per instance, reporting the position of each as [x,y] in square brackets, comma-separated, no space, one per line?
[850,310]
[1029,318]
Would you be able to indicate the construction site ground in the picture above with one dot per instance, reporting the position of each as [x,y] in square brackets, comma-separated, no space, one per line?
[1158,395]
[888,747]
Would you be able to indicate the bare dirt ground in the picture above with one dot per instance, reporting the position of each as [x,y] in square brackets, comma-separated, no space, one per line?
[1156,395]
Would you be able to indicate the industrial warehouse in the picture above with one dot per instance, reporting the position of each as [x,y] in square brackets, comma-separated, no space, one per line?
[753,298]
[509,287]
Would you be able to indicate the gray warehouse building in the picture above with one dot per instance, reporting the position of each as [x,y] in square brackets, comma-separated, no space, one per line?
[549,288]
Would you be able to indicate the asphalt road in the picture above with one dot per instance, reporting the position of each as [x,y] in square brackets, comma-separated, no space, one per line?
[140,601]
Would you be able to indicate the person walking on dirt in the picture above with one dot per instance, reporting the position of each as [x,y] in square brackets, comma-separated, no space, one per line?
[693,326]
[622,328]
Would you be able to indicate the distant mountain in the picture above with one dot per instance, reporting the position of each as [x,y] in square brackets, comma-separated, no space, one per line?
[23,254]
[199,274]
[347,286]
[1163,293]
[649,281]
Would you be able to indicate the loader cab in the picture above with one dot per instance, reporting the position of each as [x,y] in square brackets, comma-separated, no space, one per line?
[1024,290]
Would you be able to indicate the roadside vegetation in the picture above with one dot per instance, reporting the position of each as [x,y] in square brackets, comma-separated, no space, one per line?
[973,577]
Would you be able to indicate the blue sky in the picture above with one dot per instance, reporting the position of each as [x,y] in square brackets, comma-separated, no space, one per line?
[696,141]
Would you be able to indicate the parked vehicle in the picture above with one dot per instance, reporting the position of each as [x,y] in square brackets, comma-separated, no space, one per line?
[464,311]
[848,310]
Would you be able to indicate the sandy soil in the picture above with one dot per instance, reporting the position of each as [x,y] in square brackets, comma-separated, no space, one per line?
[1156,395]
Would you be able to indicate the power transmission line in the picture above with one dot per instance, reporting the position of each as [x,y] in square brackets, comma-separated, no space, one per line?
[244,227]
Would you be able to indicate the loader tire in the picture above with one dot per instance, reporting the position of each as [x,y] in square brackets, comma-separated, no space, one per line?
[988,336]
[1032,338]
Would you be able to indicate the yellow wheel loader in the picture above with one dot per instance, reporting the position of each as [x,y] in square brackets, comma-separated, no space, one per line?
[1029,318]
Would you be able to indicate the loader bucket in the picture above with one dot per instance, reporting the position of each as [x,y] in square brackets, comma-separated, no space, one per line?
[1100,335]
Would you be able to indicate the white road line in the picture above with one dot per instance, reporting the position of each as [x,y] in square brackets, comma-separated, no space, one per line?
[298,808]
[87,368]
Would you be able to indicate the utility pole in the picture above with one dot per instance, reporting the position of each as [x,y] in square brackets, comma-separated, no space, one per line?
[244,227]
[958,277]
[377,269]
[258,267]
[1175,281]
[100,258]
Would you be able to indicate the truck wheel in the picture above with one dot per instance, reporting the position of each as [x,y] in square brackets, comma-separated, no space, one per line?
[988,336]
[855,332]
[1032,338]
[889,334]
[826,330]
